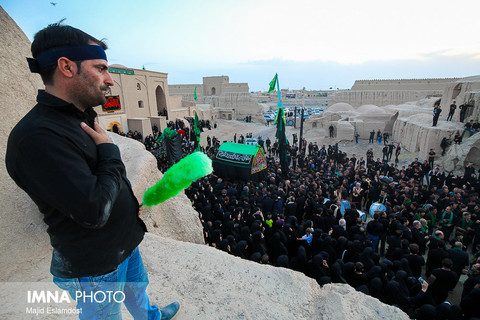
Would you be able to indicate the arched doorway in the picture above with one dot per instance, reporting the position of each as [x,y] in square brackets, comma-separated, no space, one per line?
[389,125]
[115,127]
[456,91]
[214,91]
[161,102]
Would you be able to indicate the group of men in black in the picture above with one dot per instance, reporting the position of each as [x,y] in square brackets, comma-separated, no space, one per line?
[463,111]
[296,220]
[385,136]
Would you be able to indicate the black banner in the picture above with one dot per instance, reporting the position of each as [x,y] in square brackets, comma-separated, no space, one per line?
[234,157]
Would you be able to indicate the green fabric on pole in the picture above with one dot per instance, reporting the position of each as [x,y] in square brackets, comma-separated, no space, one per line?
[272,84]
[281,116]
[195,94]
[167,132]
[178,177]
[282,140]
[196,131]
[196,127]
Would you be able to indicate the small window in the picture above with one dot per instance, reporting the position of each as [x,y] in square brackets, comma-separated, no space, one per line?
[140,104]
[138,86]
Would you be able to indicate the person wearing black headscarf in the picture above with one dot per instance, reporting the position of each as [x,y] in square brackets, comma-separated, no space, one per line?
[282,261]
[353,252]
[398,293]
[319,269]
[258,243]
[241,249]
[276,247]
[299,262]
[366,257]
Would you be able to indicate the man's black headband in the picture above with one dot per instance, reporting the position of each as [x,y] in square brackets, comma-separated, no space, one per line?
[74,53]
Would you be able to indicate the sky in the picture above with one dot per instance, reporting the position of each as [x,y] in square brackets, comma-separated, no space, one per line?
[310,43]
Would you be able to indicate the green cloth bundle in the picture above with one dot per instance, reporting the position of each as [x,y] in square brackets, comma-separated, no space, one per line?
[178,177]
[167,132]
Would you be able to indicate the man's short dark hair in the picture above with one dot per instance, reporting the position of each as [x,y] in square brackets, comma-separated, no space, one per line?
[57,35]
[447,263]
[414,248]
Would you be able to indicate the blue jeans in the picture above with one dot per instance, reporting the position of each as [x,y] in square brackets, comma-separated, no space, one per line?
[101,297]
[374,240]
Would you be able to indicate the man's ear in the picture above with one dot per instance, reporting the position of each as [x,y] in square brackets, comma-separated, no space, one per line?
[66,67]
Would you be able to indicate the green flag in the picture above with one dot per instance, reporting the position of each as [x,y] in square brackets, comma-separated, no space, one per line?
[195,94]
[272,84]
[196,127]
[196,131]
[168,132]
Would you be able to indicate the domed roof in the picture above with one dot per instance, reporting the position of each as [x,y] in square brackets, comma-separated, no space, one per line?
[340,106]
[120,66]
[370,109]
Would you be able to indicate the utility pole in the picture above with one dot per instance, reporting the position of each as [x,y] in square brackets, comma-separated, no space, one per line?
[301,119]
[295,117]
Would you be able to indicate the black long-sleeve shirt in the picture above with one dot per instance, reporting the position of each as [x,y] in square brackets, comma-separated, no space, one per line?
[81,188]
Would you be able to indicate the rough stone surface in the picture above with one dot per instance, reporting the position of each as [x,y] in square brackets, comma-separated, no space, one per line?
[407,110]
[381,97]
[18,89]
[417,134]
[344,131]
[459,155]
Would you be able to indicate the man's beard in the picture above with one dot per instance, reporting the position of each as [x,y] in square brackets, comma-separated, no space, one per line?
[93,99]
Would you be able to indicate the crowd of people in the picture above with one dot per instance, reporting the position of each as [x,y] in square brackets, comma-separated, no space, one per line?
[411,254]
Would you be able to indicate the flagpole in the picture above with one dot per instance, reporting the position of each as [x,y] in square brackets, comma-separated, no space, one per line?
[280,105]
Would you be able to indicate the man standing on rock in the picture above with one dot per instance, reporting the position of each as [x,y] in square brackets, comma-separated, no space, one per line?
[463,111]
[71,169]
[436,114]
[453,107]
